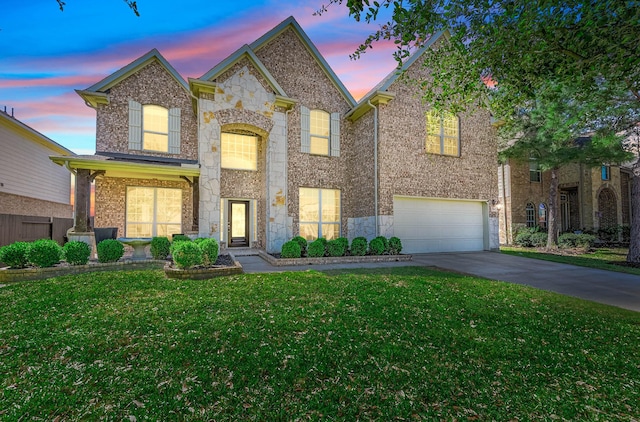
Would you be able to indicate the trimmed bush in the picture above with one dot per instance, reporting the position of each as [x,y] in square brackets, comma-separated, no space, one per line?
[291,249]
[571,240]
[395,246]
[15,254]
[160,247]
[336,247]
[180,238]
[376,247]
[539,239]
[44,253]
[186,254]
[359,246]
[199,240]
[76,252]
[385,242]
[110,250]
[316,249]
[303,244]
[209,249]
[345,243]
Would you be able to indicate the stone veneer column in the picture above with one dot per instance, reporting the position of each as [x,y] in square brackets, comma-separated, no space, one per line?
[209,157]
[277,232]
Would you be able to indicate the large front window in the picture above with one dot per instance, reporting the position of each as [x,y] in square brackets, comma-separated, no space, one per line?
[319,213]
[153,212]
[443,134]
[239,152]
[319,131]
[155,128]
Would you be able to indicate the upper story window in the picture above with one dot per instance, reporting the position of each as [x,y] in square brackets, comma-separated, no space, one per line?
[605,173]
[535,175]
[443,133]
[239,152]
[320,132]
[154,128]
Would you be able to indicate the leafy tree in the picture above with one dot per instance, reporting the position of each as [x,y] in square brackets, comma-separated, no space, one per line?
[550,129]
[132,4]
[518,48]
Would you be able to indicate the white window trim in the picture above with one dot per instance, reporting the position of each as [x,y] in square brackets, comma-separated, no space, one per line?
[443,136]
[154,223]
[305,133]
[319,222]
[136,129]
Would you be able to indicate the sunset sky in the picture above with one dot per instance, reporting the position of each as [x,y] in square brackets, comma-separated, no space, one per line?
[45,54]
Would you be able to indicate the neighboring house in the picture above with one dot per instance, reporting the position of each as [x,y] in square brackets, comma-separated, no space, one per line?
[269,144]
[31,186]
[590,198]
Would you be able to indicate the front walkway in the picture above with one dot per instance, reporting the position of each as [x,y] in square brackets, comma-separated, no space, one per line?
[608,287]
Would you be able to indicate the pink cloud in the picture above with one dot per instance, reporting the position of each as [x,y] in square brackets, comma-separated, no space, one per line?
[53,81]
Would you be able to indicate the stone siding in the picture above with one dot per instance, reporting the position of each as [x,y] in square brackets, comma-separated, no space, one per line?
[152,84]
[23,205]
[111,198]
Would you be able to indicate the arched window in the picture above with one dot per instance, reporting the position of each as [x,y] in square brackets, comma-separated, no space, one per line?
[155,128]
[319,132]
[542,216]
[531,215]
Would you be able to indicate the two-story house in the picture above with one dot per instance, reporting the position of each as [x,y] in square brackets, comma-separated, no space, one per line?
[269,144]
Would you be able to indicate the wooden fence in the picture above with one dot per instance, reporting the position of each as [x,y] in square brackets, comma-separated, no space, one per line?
[26,228]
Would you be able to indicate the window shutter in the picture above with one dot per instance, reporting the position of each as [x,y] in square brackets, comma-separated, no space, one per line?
[305,123]
[135,125]
[334,151]
[174,131]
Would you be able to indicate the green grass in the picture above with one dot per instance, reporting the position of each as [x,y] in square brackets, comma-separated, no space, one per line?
[406,344]
[601,258]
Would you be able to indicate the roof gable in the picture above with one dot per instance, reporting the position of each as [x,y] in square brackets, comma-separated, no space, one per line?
[135,66]
[290,22]
[244,52]
[27,132]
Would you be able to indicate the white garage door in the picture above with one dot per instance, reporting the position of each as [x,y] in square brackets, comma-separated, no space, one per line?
[435,225]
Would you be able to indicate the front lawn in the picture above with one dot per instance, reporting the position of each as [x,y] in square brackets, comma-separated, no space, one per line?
[602,258]
[405,343]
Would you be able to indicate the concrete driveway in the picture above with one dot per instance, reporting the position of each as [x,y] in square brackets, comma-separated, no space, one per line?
[608,287]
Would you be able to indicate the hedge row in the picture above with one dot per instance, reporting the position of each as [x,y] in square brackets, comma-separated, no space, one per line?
[321,247]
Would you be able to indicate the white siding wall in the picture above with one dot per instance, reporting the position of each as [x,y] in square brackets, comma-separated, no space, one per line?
[25,169]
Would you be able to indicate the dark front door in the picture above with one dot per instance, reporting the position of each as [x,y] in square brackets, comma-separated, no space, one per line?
[238,218]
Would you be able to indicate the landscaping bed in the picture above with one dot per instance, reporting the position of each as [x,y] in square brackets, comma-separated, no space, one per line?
[278,261]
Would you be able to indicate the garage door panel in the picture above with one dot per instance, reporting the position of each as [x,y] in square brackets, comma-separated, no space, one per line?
[432,225]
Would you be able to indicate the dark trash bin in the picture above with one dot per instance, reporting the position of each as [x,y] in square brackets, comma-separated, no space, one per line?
[103,233]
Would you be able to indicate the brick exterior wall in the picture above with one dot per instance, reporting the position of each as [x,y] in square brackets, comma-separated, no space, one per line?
[406,169]
[152,84]
[584,180]
[287,60]
[23,205]
[111,194]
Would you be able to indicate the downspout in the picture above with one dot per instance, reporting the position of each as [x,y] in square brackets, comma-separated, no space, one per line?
[286,169]
[507,235]
[375,165]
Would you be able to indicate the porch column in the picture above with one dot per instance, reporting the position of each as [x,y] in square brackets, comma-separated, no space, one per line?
[82,198]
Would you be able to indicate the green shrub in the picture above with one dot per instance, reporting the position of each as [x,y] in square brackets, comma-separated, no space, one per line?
[180,238]
[336,247]
[186,254]
[160,247]
[291,249]
[376,247]
[571,240]
[44,253]
[610,234]
[345,243]
[626,233]
[76,252]
[523,236]
[110,250]
[395,246]
[316,249]
[359,246]
[209,249]
[303,244]
[539,239]
[15,254]
[385,242]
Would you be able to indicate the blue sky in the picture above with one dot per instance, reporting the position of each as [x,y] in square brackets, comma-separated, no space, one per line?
[45,54]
